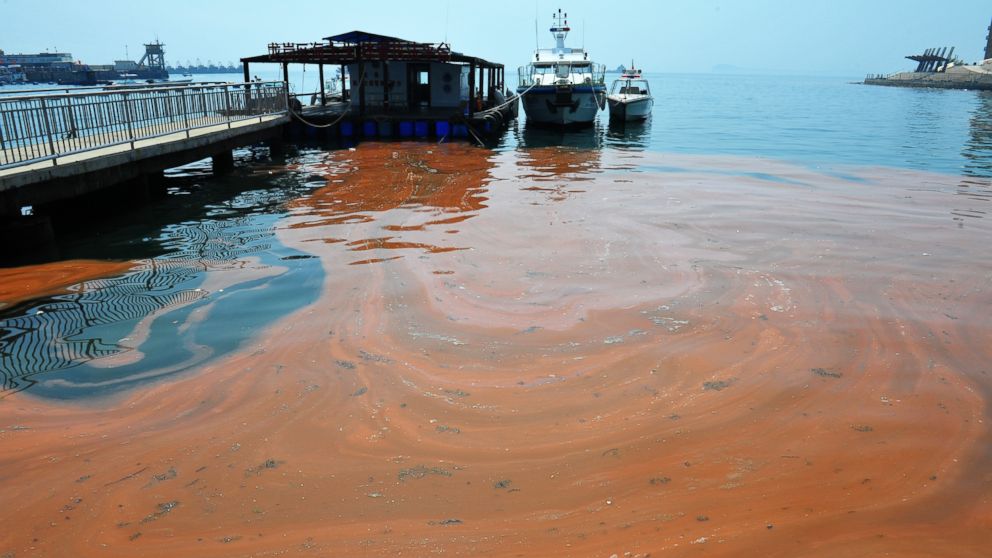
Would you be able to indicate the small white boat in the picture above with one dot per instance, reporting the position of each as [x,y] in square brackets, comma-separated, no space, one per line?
[630,97]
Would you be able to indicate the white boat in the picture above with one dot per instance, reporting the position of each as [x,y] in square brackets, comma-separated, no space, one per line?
[561,86]
[630,97]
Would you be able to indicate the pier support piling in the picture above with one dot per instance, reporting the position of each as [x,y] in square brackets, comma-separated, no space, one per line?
[277,147]
[35,238]
[223,162]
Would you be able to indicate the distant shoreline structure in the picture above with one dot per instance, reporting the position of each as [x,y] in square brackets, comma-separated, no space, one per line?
[937,68]
[64,69]
[207,68]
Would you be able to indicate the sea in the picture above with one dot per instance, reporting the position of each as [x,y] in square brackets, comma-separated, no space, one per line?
[755,323]
[833,126]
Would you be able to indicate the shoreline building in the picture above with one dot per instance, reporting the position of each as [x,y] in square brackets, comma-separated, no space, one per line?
[10,72]
[938,68]
[62,68]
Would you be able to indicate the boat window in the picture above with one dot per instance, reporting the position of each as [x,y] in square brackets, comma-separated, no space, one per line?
[562,70]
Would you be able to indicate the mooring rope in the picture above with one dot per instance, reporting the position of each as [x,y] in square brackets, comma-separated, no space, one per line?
[299,117]
[488,113]
[512,99]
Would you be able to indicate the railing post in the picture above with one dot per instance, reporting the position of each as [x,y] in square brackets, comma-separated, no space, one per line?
[182,94]
[48,132]
[127,118]
[227,106]
[73,131]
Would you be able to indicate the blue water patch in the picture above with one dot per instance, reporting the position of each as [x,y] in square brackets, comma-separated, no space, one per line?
[811,121]
[222,280]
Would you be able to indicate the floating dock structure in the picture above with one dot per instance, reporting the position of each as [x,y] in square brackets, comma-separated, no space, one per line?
[937,68]
[392,88]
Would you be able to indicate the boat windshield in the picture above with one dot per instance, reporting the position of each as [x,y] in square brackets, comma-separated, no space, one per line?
[630,87]
[562,72]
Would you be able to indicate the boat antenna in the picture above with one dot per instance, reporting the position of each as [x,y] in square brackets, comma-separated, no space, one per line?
[583,34]
[447,13]
[537,44]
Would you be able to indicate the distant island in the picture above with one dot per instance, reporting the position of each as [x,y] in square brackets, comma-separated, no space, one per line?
[621,69]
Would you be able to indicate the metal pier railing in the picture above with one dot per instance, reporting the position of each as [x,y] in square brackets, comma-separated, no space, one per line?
[45,127]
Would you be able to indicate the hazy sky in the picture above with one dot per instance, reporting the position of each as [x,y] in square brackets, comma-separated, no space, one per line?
[813,37]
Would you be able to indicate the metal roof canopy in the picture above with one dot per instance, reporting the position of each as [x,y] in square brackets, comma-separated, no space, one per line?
[361,46]
[357,37]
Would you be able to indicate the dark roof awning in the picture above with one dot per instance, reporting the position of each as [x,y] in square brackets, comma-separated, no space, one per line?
[356,37]
[361,46]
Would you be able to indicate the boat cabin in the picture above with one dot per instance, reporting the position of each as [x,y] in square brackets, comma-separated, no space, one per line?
[410,85]
[630,83]
[551,73]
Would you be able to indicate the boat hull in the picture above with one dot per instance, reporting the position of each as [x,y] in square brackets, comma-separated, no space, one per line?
[630,109]
[562,105]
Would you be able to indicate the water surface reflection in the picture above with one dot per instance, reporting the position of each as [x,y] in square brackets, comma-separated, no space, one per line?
[634,135]
[410,197]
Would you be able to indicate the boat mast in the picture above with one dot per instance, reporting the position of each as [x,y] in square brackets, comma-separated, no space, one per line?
[560,30]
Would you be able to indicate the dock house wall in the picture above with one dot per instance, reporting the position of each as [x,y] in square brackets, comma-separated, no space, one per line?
[449,84]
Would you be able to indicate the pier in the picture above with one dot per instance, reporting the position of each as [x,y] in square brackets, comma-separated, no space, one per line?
[58,146]
[55,147]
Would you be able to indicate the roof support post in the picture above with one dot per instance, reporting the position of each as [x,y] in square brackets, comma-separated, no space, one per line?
[361,82]
[345,85]
[492,82]
[471,89]
[247,89]
[285,79]
[482,85]
[385,86]
[323,96]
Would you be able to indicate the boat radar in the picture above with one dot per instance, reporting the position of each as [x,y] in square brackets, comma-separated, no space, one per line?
[560,31]
[632,72]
